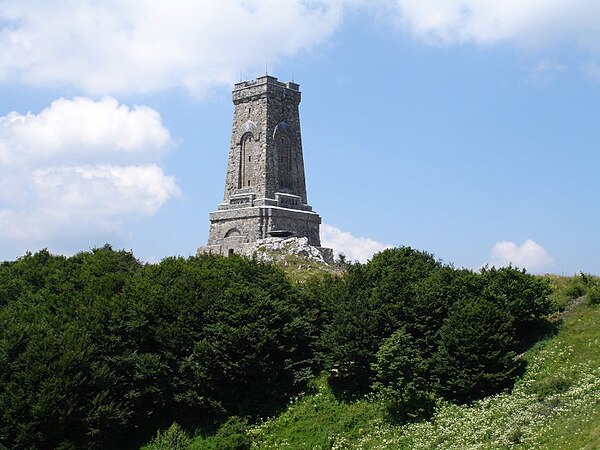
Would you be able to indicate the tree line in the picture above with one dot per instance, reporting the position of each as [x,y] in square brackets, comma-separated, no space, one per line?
[99,350]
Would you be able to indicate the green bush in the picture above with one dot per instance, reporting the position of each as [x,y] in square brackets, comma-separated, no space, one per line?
[523,296]
[406,289]
[377,301]
[576,286]
[232,435]
[402,379]
[476,354]
[548,387]
[593,293]
[173,438]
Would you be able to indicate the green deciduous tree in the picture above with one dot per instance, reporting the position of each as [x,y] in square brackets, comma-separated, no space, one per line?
[379,299]
[402,378]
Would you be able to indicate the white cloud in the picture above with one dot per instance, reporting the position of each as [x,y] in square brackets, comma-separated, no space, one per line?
[79,168]
[524,22]
[82,130]
[355,248]
[529,255]
[140,46]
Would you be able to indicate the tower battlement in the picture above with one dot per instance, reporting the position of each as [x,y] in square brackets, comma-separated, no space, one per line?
[267,82]
[265,187]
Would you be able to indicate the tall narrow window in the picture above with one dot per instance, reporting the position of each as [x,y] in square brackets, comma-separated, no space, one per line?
[246,146]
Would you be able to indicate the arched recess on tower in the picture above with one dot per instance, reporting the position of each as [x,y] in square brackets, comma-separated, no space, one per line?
[246,156]
[246,160]
[285,156]
[233,232]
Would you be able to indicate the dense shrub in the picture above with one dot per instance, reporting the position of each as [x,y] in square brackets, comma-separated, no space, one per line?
[524,297]
[318,299]
[402,378]
[476,353]
[434,297]
[173,438]
[593,292]
[576,286]
[378,300]
[232,435]
[404,289]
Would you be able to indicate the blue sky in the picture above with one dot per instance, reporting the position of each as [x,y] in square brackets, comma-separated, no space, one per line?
[468,129]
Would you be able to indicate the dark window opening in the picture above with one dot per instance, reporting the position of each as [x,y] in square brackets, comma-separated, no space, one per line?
[230,251]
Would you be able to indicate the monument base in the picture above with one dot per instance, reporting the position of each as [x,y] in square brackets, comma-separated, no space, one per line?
[232,229]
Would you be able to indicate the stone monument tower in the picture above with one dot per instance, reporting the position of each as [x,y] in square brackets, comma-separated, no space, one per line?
[265,188]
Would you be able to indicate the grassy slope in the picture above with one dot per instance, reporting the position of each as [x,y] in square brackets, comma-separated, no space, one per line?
[556,405]
[572,361]
[299,269]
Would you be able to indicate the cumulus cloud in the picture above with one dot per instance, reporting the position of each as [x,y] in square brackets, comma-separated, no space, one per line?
[78,168]
[355,248]
[119,46]
[82,130]
[530,255]
[530,22]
